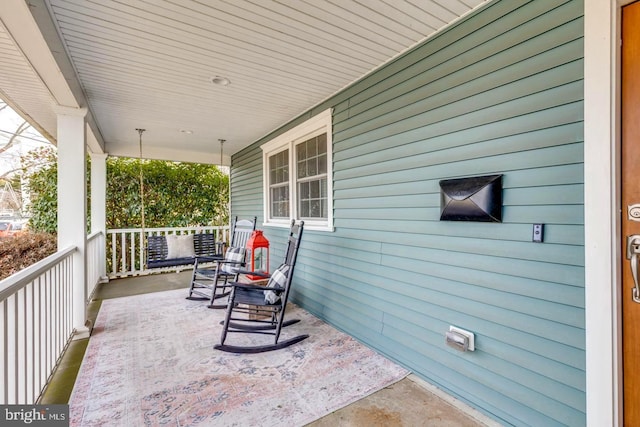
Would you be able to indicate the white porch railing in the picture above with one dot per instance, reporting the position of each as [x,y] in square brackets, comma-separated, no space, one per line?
[96,263]
[36,306]
[126,249]
[36,319]
[36,316]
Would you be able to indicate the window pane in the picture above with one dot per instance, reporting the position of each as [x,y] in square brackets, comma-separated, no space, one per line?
[280,202]
[285,164]
[314,209]
[312,167]
[279,168]
[304,209]
[279,184]
[311,174]
[311,157]
[304,190]
[314,189]
[302,151]
[322,144]
[322,163]
[312,147]
[312,203]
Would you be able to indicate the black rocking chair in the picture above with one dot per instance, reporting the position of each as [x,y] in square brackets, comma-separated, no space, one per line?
[205,279]
[218,280]
[260,310]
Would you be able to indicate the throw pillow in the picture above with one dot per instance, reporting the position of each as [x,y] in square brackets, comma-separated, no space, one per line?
[180,246]
[234,258]
[277,281]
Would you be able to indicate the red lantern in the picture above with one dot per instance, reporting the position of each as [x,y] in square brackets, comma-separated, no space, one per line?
[258,254]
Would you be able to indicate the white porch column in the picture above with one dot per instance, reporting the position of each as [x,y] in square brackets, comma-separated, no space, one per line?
[72,204]
[601,204]
[99,200]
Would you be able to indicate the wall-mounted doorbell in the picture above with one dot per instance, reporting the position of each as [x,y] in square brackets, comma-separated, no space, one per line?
[538,233]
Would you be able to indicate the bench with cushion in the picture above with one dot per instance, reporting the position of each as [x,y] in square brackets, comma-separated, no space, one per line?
[175,250]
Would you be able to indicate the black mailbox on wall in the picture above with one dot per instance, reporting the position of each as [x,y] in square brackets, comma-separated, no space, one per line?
[477,198]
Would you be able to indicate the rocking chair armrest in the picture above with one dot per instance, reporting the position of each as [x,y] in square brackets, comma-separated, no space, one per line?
[224,261]
[255,273]
[231,264]
[248,286]
[209,258]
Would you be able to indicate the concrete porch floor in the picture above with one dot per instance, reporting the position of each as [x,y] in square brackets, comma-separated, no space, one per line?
[409,402]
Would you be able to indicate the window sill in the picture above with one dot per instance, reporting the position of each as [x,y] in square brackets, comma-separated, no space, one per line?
[308,225]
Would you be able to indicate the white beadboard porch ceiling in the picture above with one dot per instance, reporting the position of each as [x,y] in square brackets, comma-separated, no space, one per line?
[149,63]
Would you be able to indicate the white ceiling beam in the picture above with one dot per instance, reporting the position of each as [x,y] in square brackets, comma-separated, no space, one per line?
[31,28]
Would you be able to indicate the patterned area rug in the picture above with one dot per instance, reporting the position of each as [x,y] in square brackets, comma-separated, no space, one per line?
[151,362]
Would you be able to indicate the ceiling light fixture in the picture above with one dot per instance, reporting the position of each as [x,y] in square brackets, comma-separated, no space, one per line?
[187,131]
[220,81]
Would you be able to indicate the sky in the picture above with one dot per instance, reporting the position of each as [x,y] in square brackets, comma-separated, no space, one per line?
[31,139]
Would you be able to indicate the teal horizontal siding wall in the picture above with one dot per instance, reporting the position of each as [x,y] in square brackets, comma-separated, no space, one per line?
[500,92]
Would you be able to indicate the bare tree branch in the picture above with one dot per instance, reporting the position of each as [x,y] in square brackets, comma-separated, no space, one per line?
[14,138]
[7,173]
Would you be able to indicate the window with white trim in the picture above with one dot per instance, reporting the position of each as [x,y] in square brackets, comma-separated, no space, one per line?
[298,175]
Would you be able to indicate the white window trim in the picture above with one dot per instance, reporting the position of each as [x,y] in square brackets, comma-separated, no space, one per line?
[316,125]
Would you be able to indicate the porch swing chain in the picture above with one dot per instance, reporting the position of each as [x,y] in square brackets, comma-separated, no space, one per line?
[228,238]
[140,131]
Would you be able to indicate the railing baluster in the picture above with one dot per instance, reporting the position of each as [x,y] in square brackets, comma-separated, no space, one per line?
[24,338]
[13,350]
[69,284]
[132,252]
[114,252]
[41,329]
[96,262]
[141,259]
[33,342]
[56,312]
[47,323]
[123,243]
[4,372]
